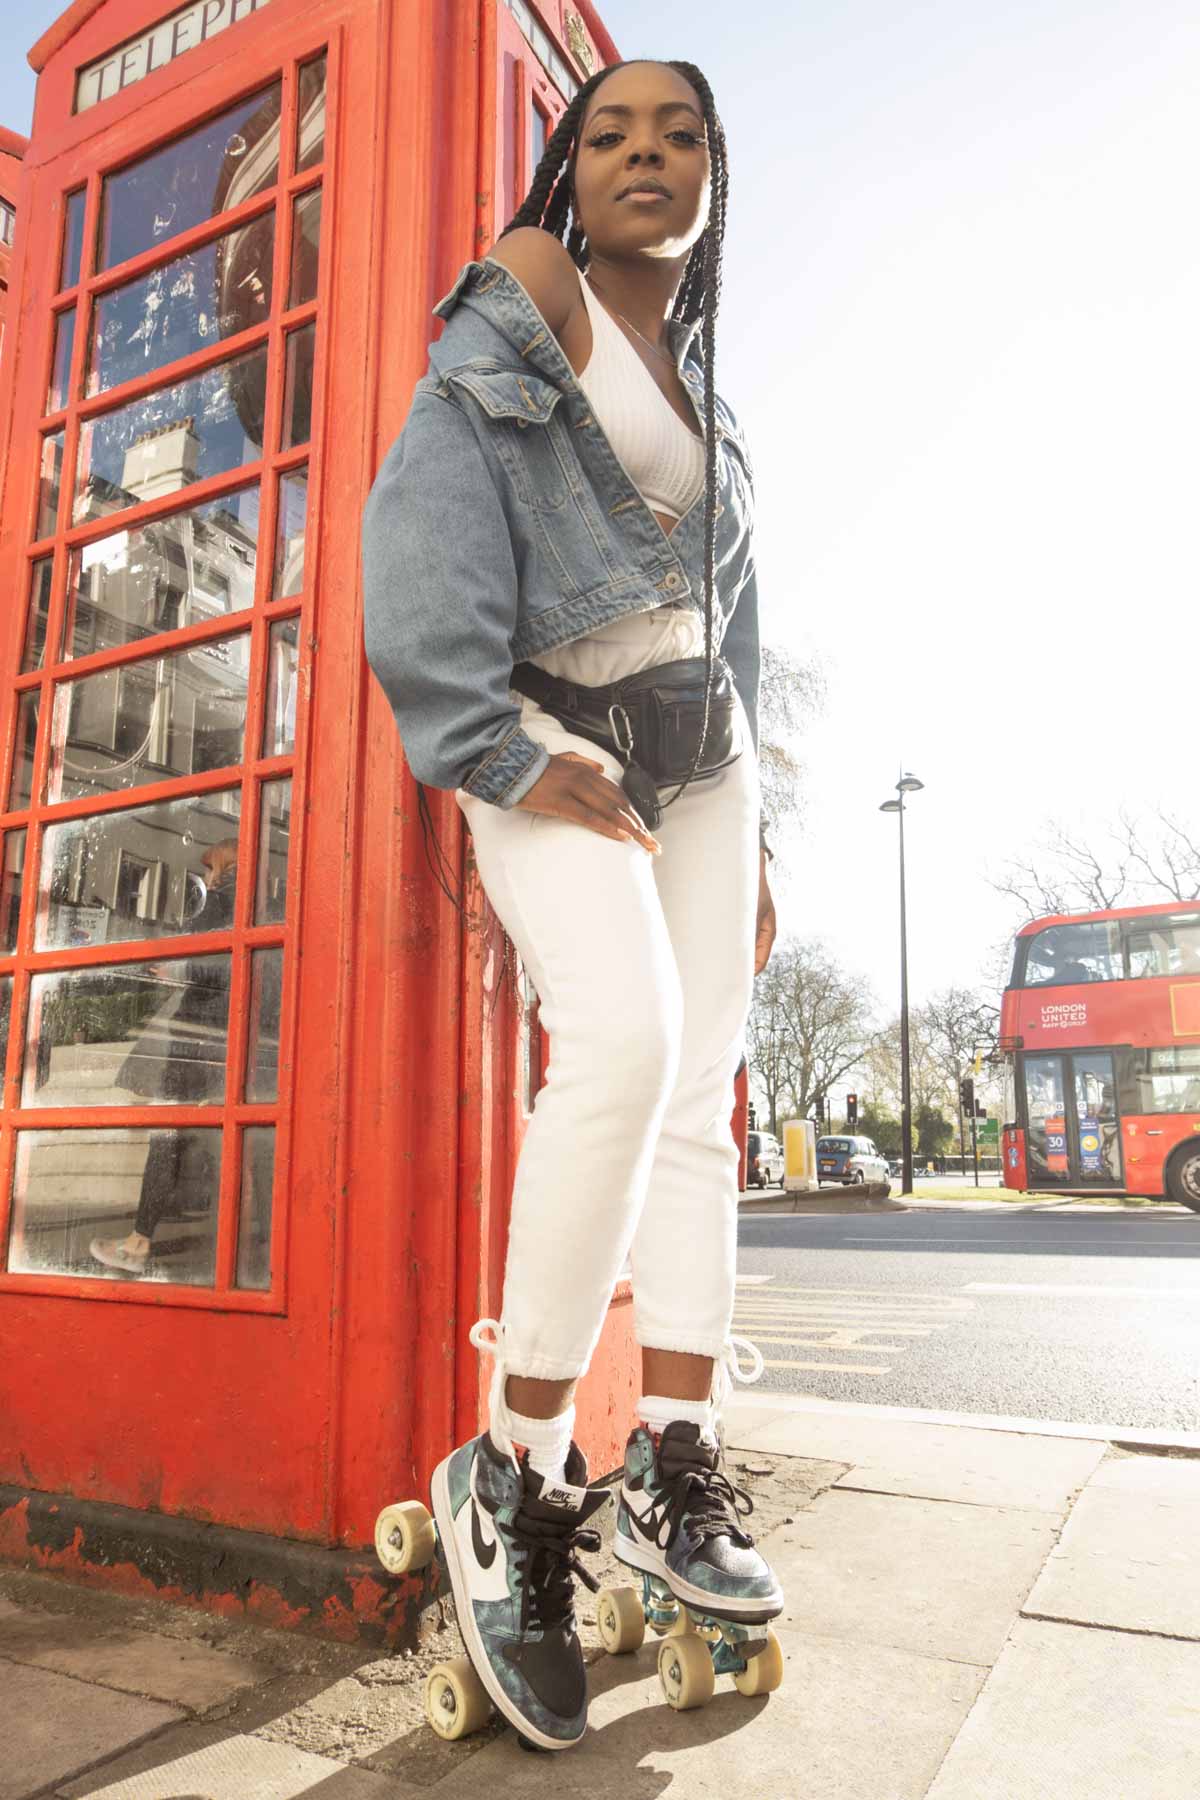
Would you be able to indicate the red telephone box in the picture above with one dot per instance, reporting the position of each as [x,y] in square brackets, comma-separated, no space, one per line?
[242,1025]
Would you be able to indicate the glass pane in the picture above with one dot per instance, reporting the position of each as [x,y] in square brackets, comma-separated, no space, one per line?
[181,306]
[1164,1081]
[262,1061]
[21,788]
[149,872]
[1047,1135]
[306,248]
[1096,1115]
[181,570]
[136,1204]
[64,343]
[6,984]
[72,238]
[1064,955]
[136,1035]
[1165,946]
[50,484]
[39,613]
[270,898]
[254,1213]
[10,890]
[279,723]
[289,535]
[310,105]
[195,177]
[297,391]
[179,434]
[181,714]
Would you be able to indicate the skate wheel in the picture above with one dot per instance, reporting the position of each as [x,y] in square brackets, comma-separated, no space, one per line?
[405,1538]
[680,1625]
[620,1619]
[764,1672]
[456,1701]
[686,1672]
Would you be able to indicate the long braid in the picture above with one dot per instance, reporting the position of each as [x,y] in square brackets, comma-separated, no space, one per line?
[548,206]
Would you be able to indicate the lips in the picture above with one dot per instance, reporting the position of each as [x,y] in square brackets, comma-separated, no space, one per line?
[644,187]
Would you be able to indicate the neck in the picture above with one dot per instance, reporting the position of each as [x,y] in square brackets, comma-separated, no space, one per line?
[642,290]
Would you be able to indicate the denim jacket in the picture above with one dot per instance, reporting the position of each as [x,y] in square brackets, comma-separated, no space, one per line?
[501,524]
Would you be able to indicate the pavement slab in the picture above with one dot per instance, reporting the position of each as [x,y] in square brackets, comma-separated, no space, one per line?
[1129,1555]
[1070,1714]
[54,1727]
[934,1462]
[938,1579]
[247,1768]
[136,1662]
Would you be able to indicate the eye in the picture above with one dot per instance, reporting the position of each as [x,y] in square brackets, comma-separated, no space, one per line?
[605,137]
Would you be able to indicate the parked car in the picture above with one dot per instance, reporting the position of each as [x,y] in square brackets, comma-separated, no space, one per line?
[764,1159]
[850,1160]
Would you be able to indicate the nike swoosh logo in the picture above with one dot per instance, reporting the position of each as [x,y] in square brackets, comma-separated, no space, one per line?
[485,1553]
[649,1530]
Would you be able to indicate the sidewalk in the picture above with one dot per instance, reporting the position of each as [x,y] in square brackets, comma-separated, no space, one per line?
[973,1615]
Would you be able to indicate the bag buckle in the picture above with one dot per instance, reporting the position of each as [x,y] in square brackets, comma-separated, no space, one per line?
[617,712]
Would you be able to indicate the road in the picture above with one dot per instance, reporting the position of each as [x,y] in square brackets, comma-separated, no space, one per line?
[1077,1317]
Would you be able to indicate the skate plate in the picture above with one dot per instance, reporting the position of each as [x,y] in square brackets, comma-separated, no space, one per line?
[696,1646]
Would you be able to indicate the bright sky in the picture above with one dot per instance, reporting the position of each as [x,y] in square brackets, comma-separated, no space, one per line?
[959,323]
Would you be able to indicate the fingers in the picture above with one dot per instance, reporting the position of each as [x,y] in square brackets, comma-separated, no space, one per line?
[584,794]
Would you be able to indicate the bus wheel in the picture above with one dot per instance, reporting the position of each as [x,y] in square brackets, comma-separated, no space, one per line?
[1183,1178]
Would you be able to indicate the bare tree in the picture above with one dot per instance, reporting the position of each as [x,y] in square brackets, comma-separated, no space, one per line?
[1156,857]
[809,1023]
[791,694]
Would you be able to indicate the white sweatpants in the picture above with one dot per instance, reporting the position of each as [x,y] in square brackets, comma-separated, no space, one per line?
[643,966]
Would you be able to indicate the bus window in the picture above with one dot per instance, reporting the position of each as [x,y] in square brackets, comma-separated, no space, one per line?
[1089,950]
[1163,1081]
[1168,946]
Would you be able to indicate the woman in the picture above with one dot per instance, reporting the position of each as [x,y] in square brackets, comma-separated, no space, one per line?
[559,514]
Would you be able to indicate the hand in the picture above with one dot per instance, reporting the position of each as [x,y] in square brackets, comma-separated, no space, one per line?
[765,935]
[573,787]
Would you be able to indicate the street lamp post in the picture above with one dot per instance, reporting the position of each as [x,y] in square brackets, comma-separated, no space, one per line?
[907,784]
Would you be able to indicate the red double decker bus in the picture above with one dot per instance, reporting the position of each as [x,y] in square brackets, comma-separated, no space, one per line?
[1100,1030]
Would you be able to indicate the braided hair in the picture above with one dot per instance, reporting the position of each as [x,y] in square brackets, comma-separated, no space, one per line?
[548,205]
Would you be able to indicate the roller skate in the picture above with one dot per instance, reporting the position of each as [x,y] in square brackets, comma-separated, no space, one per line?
[508,1541]
[705,1590]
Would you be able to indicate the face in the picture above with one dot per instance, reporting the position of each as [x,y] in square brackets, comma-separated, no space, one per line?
[643,123]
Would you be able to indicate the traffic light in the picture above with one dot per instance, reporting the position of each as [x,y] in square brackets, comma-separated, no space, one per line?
[751,1117]
[966,1094]
[980,1110]
[852,1109]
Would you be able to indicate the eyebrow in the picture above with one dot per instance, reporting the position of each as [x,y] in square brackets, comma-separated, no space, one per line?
[666,107]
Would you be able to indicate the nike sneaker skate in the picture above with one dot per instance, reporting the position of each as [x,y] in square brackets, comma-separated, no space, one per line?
[510,1540]
[680,1520]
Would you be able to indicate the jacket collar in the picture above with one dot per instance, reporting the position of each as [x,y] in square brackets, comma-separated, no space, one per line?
[494,291]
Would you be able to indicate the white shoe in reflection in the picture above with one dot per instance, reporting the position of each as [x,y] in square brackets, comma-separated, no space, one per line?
[116,1255]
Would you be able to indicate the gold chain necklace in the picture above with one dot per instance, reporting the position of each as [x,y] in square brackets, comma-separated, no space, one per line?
[666,356]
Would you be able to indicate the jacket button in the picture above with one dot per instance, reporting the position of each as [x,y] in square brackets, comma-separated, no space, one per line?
[672,581]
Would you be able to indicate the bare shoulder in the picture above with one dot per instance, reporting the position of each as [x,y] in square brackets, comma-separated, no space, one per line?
[544,267]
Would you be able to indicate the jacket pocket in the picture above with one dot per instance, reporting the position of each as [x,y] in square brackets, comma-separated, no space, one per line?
[518,411]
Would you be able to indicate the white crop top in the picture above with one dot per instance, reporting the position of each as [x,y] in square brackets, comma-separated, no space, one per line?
[663,457]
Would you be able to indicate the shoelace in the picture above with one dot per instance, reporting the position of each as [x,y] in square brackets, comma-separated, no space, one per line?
[546,1561]
[713,1504]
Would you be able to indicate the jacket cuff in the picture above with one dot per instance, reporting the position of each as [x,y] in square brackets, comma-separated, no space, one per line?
[507,775]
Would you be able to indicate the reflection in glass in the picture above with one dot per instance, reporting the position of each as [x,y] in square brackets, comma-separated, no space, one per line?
[21,787]
[180,714]
[274,834]
[6,985]
[297,388]
[172,437]
[262,1057]
[254,1213]
[1163,1081]
[306,248]
[72,239]
[1064,955]
[39,614]
[310,109]
[211,293]
[136,1034]
[1169,945]
[129,1204]
[182,570]
[1048,1158]
[279,721]
[50,484]
[289,533]
[1096,1118]
[10,890]
[211,169]
[145,872]
[60,376]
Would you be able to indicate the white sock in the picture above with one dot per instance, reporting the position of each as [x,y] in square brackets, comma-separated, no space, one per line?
[548,1441]
[656,1412]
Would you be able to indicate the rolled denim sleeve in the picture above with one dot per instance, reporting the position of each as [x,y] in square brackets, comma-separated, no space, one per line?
[440,606]
[740,648]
